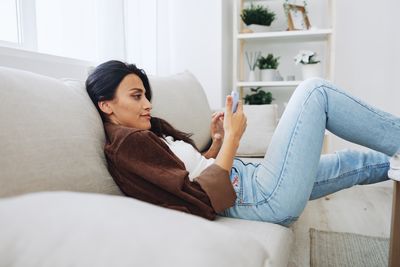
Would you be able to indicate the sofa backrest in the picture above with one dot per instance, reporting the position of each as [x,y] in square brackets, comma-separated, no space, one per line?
[52,137]
[180,99]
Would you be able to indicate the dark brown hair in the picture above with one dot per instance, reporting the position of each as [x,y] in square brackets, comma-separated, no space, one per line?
[102,85]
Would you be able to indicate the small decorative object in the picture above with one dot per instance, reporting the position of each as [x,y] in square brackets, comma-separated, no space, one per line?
[268,66]
[278,76]
[311,67]
[257,18]
[259,97]
[290,78]
[297,17]
[252,60]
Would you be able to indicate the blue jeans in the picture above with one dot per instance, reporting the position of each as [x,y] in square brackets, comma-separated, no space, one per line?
[293,170]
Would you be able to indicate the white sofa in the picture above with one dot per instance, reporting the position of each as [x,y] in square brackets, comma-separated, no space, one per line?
[60,207]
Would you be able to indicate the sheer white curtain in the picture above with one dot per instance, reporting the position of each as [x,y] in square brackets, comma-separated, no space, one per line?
[169,36]
[91,30]
[147,34]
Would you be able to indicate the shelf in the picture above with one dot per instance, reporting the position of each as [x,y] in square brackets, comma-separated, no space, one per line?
[286,35]
[269,83]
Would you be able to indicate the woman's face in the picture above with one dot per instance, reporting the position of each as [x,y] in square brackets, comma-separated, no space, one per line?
[130,107]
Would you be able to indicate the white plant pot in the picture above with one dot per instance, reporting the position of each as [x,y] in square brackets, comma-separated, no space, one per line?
[261,124]
[311,70]
[252,76]
[268,74]
[259,28]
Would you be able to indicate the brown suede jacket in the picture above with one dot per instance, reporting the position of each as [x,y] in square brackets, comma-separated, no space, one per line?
[145,168]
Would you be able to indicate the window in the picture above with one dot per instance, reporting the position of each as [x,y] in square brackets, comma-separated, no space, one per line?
[91,30]
[9,16]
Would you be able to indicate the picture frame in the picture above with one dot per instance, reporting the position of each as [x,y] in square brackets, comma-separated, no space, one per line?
[297,17]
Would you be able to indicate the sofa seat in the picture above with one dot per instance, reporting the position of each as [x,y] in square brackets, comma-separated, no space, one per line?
[87,229]
[277,240]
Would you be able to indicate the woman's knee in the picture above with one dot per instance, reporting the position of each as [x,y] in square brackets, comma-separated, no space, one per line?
[307,87]
[311,83]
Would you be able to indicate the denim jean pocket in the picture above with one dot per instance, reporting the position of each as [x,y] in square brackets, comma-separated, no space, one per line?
[237,185]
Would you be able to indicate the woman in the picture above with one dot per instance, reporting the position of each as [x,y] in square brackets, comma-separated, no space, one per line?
[152,161]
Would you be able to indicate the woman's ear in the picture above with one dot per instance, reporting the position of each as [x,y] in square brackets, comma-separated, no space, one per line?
[105,107]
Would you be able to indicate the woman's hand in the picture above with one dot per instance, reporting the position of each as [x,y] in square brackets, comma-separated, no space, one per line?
[234,127]
[217,127]
[234,123]
[217,134]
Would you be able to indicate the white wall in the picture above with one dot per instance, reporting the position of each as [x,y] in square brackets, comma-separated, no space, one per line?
[205,46]
[367,54]
[196,43]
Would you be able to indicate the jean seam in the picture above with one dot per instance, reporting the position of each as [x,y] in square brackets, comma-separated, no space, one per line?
[352,172]
[361,104]
[248,163]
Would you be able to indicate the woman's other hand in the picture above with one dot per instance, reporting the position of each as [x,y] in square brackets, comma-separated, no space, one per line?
[217,127]
[217,135]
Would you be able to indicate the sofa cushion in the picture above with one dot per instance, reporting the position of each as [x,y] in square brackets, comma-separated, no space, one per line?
[82,229]
[276,239]
[181,100]
[261,124]
[51,137]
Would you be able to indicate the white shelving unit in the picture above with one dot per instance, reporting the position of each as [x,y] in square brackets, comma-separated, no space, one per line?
[241,40]
[295,35]
[323,36]
[268,84]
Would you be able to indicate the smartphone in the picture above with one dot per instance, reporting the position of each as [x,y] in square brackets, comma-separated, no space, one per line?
[235,100]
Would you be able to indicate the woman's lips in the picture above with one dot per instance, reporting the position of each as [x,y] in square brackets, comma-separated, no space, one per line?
[146,117]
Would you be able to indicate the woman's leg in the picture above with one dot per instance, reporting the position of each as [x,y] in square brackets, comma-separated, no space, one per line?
[289,170]
[346,168]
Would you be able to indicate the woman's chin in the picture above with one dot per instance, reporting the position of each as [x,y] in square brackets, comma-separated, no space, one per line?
[147,126]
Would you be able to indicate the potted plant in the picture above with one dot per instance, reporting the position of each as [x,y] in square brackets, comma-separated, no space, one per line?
[262,117]
[259,97]
[311,66]
[257,18]
[268,66]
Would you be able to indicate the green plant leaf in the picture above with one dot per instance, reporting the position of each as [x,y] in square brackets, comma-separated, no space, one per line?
[257,15]
[258,98]
[268,62]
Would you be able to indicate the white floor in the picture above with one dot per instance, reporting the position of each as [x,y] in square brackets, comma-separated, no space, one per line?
[361,209]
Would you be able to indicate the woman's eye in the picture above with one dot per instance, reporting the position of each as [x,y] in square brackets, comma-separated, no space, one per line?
[137,96]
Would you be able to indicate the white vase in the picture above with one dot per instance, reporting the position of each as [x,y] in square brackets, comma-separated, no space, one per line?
[268,74]
[252,76]
[259,28]
[311,70]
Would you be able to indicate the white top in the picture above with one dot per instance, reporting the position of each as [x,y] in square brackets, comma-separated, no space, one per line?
[194,162]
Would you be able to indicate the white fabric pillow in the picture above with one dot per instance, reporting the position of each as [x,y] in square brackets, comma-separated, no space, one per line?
[82,229]
[180,99]
[261,124]
[51,137]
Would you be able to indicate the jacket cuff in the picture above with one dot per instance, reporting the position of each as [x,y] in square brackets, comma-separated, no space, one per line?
[215,181]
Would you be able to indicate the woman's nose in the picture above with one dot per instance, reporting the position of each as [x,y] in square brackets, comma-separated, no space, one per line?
[148,105]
